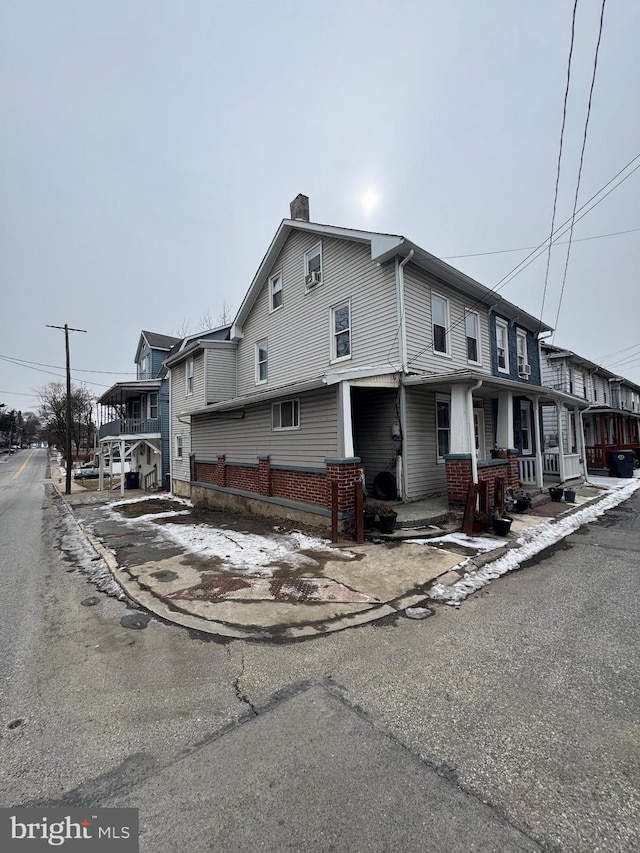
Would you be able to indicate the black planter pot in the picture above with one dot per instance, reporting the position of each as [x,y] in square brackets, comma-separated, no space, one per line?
[369,520]
[556,493]
[570,496]
[387,523]
[502,526]
[522,504]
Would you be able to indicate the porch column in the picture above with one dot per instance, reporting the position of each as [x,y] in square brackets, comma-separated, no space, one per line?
[504,427]
[121,468]
[536,422]
[603,440]
[459,438]
[345,426]
[561,436]
[580,441]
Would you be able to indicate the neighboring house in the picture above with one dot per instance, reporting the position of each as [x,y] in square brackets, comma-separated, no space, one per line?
[202,370]
[359,350]
[611,420]
[135,415]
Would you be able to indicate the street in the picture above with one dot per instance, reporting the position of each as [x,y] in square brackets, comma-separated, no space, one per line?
[508,724]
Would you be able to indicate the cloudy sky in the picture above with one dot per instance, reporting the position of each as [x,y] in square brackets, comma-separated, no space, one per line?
[150,149]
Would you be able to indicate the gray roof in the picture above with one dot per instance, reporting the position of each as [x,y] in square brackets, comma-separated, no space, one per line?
[158,341]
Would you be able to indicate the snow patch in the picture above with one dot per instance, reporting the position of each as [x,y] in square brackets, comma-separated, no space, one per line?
[477,543]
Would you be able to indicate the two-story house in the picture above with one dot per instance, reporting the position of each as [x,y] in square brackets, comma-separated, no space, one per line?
[134,416]
[611,420]
[202,370]
[357,351]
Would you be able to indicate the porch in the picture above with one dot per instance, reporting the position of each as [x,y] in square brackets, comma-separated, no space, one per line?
[130,427]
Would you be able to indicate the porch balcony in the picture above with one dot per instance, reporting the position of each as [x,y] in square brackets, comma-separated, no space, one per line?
[597,453]
[131,427]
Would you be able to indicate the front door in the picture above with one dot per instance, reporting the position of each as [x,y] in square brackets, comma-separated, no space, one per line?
[525,427]
[478,428]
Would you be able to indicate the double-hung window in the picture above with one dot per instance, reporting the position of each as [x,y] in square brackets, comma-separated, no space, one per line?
[262,357]
[313,267]
[341,331]
[178,447]
[443,425]
[472,330]
[502,346]
[275,291]
[440,322]
[524,370]
[189,376]
[152,405]
[285,415]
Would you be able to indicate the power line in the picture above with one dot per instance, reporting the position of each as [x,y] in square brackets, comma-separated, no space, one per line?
[526,248]
[76,369]
[49,373]
[584,145]
[618,351]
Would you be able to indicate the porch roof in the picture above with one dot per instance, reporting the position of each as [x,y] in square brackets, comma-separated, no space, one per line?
[121,392]
[444,381]
[237,403]
[608,410]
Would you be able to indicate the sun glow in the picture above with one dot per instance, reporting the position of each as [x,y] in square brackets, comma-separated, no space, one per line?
[369,200]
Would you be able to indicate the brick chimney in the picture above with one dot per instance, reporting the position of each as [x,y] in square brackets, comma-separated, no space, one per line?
[299,208]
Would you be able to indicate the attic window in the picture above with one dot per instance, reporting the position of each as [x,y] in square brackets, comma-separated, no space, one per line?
[275,291]
[313,267]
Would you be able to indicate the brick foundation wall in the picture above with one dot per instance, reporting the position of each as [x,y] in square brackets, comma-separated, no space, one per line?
[459,476]
[300,486]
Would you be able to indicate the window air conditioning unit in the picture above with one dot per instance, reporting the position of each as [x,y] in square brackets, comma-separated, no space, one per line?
[313,278]
[524,370]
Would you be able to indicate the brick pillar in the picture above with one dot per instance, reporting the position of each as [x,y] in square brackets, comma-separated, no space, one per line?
[264,475]
[221,471]
[459,475]
[513,475]
[346,472]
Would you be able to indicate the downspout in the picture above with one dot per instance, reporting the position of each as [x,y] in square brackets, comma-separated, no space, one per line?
[472,431]
[583,442]
[402,338]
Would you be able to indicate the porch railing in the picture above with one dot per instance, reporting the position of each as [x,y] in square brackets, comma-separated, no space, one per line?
[527,469]
[551,462]
[130,426]
[572,467]
[150,480]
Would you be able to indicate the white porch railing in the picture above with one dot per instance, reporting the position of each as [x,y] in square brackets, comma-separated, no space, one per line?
[527,469]
[551,462]
[572,467]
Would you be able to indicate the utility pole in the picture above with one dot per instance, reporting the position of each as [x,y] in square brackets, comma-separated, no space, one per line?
[67,329]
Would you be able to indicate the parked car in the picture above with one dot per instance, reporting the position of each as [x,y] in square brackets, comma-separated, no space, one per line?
[88,474]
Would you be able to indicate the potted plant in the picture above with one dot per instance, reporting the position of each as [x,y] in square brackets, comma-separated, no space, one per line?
[502,525]
[386,518]
[499,453]
[480,522]
[570,496]
[369,516]
[556,493]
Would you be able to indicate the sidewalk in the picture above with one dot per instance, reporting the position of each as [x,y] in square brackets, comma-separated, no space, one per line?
[248,578]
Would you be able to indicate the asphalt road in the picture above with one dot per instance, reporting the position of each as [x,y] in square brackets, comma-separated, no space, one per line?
[509,724]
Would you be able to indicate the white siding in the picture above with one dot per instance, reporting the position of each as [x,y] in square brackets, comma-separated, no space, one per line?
[243,440]
[418,287]
[425,476]
[299,332]
[181,403]
[220,373]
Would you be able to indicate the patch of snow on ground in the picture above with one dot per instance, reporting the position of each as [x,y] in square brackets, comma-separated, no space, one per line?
[248,552]
[610,482]
[531,542]
[478,543]
[162,496]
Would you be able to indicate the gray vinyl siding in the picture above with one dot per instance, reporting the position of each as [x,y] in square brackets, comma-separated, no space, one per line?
[163,409]
[373,416]
[157,358]
[299,333]
[181,402]
[244,440]
[220,374]
[420,355]
[425,475]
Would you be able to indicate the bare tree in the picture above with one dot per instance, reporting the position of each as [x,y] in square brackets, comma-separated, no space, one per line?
[53,402]
[205,322]
[225,315]
[183,328]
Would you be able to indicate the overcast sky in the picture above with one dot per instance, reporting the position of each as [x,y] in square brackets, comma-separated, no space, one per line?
[150,149]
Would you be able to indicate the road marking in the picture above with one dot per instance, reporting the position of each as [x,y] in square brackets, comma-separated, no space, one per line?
[22,467]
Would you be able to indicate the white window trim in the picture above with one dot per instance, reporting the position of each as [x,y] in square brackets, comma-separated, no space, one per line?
[521,337]
[278,404]
[502,324]
[334,358]
[257,362]
[442,398]
[272,279]
[447,328]
[525,411]
[188,374]
[177,439]
[468,311]
[307,255]
[149,396]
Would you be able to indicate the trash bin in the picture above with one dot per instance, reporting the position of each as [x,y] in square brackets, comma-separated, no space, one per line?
[131,480]
[621,463]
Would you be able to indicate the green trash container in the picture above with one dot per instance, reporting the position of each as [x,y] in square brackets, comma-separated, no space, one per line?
[621,463]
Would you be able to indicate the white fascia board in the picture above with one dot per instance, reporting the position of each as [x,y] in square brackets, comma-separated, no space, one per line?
[359,373]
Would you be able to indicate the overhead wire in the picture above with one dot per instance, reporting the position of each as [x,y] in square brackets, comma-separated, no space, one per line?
[584,145]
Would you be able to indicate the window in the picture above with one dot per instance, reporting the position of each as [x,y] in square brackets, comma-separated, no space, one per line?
[341,331]
[144,365]
[472,325]
[189,376]
[442,425]
[152,405]
[285,415]
[502,346]
[275,291]
[178,451]
[313,267]
[524,370]
[262,355]
[525,427]
[440,321]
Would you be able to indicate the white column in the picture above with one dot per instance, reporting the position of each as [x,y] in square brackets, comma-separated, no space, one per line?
[536,421]
[345,425]
[504,427]
[459,438]
[561,433]
[580,441]
[121,467]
